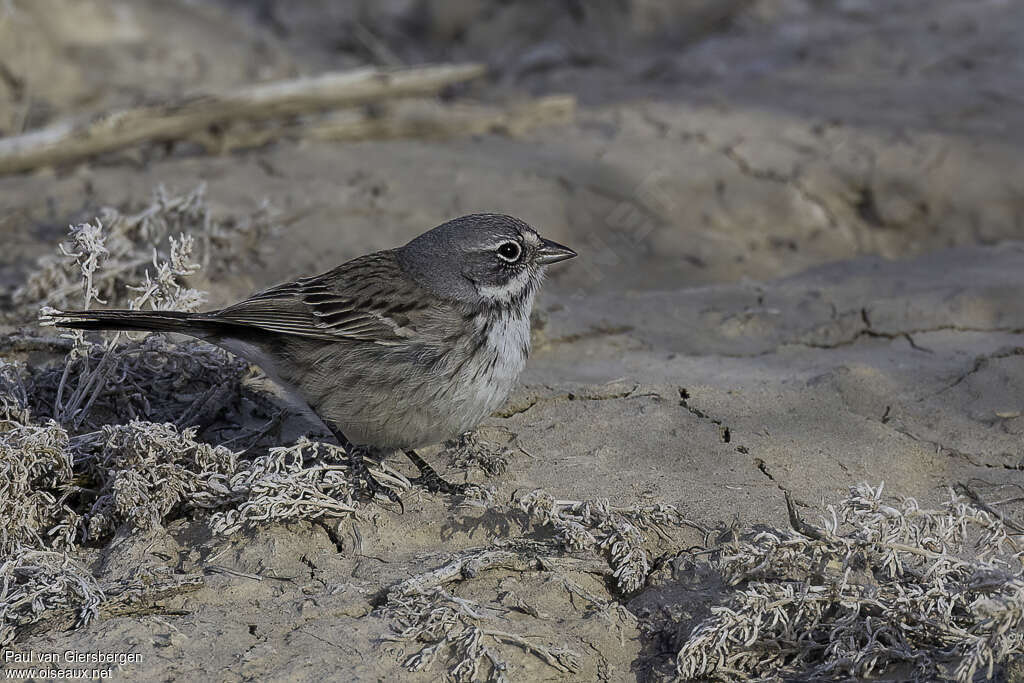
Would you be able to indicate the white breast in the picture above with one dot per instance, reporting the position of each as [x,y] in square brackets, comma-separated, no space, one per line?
[501,360]
[508,341]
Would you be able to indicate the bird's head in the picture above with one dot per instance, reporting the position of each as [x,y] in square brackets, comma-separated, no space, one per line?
[484,259]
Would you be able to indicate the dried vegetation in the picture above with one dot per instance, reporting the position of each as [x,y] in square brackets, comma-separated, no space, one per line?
[118,435]
[883,588]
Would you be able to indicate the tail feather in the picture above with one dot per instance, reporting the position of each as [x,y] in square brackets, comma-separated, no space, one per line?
[194,324]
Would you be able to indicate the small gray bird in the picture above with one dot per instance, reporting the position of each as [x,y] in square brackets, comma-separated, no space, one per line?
[393,350]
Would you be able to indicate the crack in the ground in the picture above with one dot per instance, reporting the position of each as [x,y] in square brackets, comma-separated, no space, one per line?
[531,402]
[866,333]
[853,339]
[862,332]
[979,363]
[939,447]
[869,331]
[724,432]
[516,409]
[792,181]
[770,175]
[333,535]
[956,452]
[973,459]
[763,467]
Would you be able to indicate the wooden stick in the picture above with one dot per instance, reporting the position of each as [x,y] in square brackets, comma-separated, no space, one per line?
[433,119]
[400,119]
[467,564]
[130,601]
[72,140]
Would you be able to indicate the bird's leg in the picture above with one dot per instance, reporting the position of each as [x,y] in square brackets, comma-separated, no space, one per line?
[358,470]
[430,479]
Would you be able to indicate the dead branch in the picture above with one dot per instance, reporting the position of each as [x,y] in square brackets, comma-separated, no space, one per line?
[471,563]
[124,601]
[560,660]
[71,140]
[400,119]
[797,522]
[433,119]
[26,343]
[466,565]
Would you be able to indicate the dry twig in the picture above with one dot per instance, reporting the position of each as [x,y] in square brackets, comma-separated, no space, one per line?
[73,140]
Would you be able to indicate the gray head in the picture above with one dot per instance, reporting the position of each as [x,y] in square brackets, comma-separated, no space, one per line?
[483,258]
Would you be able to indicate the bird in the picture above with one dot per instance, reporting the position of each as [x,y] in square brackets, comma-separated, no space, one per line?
[393,351]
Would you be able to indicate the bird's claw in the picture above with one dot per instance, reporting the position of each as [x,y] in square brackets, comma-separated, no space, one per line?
[431,480]
[366,481]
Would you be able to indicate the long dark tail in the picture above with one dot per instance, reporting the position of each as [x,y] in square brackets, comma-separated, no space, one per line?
[193,324]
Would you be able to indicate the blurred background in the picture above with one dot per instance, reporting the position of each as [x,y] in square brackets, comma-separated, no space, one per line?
[706,141]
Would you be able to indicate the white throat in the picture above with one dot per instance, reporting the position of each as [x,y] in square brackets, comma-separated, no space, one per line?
[505,350]
[503,295]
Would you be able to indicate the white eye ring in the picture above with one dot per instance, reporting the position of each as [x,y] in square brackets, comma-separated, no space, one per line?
[509,251]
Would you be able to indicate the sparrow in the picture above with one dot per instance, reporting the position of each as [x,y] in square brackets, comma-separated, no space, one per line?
[394,350]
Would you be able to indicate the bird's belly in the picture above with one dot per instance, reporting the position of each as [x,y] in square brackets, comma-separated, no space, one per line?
[400,405]
[415,414]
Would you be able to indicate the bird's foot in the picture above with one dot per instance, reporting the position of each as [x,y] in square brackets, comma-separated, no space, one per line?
[430,479]
[365,479]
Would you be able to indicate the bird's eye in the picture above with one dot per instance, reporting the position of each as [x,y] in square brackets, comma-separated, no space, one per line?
[509,251]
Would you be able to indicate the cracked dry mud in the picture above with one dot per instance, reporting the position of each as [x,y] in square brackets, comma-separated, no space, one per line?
[796,274]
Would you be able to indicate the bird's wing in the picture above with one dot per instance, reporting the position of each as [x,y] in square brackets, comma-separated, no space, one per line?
[367,299]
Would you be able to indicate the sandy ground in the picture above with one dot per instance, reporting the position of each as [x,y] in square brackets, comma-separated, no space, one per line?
[798,271]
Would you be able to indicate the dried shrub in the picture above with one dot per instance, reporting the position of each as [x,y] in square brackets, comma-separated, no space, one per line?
[305,481]
[461,634]
[34,582]
[885,588]
[122,380]
[35,480]
[111,255]
[621,533]
[144,470]
[473,450]
[112,438]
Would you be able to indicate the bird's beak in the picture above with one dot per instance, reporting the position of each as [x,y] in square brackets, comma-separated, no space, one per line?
[553,252]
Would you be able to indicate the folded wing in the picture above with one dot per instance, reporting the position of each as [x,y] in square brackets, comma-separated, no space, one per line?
[368,299]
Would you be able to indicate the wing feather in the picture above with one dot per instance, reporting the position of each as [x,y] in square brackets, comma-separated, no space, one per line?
[368,299]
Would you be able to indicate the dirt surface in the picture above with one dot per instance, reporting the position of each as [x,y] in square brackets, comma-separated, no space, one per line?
[798,271]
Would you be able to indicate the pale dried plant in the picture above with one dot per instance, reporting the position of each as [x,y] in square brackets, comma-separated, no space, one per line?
[164,292]
[308,480]
[461,634]
[104,258]
[14,408]
[142,471]
[118,380]
[110,439]
[473,450]
[34,582]
[36,478]
[87,250]
[465,638]
[623,534]
[126,244]
[884,587]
